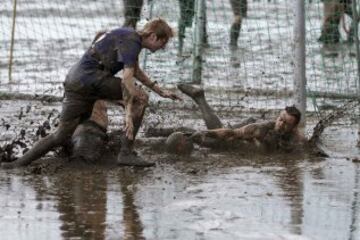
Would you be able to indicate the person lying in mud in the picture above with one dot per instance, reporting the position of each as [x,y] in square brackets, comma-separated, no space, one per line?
[280,134]
[93,78]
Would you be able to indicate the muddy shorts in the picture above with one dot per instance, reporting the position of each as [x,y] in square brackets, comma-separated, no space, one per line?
[80,97]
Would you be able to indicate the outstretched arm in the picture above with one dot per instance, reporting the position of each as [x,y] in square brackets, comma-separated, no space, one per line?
[223,134]
[247,132]
[144,79]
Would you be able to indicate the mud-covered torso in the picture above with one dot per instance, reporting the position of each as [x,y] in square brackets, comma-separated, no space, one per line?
[275,141]
[110,53]
[269,140]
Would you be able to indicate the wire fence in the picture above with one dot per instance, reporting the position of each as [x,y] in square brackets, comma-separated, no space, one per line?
[41,40]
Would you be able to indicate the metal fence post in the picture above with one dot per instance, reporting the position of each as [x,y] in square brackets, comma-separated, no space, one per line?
[12,41]
[299,61]
[151,3]
[198,37]
[355,23]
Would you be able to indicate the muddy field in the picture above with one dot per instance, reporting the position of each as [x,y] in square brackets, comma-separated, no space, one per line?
[210,194]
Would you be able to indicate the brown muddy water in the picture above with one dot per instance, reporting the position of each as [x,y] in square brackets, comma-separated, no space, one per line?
[209,195]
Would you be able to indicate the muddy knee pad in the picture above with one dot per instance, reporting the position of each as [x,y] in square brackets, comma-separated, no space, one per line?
[89,142]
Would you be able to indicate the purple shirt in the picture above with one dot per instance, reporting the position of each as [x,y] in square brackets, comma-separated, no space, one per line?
[115,50]
[120,46]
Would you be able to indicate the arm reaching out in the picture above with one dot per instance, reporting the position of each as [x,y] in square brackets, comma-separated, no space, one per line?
[247,132]
[219,134]
[142,77]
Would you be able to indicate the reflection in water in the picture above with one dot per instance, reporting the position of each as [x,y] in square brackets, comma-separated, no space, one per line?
[132,225]
[291,182]
[269,198]
[82,205]
[354,229]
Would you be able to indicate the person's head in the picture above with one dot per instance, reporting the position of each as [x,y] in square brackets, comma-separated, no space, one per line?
[156,34]
[288,119]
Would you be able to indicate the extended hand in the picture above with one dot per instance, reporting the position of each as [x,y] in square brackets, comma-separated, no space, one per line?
[171,95]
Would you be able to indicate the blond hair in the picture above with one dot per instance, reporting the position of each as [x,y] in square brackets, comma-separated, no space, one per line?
[158,26]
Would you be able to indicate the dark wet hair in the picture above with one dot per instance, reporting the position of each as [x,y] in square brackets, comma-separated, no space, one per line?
[293,111]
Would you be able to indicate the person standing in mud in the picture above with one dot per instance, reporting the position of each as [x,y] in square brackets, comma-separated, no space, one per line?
[132,11]
[334,11]
[187,12]
[92,78]
[239,9]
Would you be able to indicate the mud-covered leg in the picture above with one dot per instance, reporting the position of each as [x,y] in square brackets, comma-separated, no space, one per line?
[212,121]
[44,145]
[235,31]
[127,156]
[243,8]
[132,11]
[351,35]
[333,10]
[206,139]
[181,36]
[205,40]
[186,16]
[239,9]
[349,11]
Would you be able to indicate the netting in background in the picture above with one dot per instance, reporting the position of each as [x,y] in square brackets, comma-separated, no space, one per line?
[51,36]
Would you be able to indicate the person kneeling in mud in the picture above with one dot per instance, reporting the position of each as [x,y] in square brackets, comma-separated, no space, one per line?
[90,139]
[93,78]
[281,134]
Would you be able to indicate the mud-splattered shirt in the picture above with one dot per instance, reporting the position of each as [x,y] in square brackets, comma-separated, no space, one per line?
[110,53]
